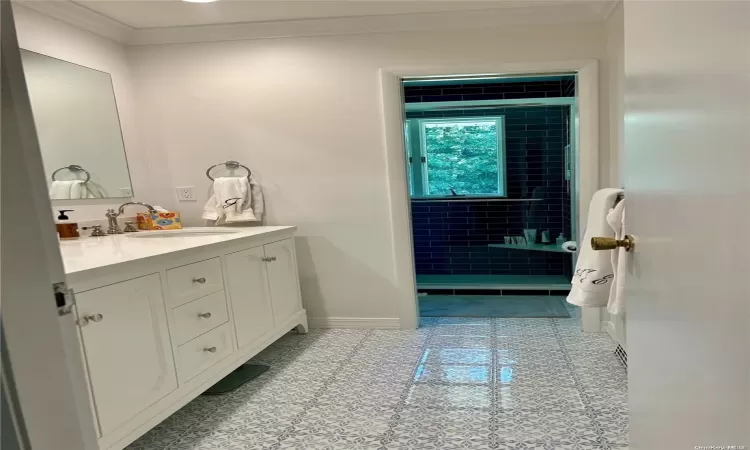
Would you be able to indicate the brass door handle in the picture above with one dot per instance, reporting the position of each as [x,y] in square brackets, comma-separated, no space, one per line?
[210,349]
[200,280]
[607,243]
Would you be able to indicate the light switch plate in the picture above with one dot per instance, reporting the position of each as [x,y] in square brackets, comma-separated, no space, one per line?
[185,193]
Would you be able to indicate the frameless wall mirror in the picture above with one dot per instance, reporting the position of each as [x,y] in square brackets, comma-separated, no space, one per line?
[78,126]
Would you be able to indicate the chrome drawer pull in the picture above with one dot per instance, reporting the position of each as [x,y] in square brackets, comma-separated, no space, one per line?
[205,315]
[210,349]
[200,280]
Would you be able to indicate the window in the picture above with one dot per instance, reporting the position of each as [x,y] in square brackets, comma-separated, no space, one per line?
[455,157]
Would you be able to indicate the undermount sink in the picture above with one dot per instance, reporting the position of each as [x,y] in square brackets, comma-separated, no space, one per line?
[185,232]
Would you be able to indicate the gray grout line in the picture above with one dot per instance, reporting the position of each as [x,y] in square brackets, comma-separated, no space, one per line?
[316,396]
[200,420]
[494,419]
[401,405]
[588,410]
[430,338]
[228,397]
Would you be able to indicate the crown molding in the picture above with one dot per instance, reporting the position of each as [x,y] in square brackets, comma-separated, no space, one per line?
[80,17]
[454,20]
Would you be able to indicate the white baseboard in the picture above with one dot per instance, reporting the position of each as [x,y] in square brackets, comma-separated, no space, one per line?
[354,322]
[609,328]
[591,319]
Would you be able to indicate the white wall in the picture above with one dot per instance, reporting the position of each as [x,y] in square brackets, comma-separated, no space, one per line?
[42,34]
[614,74]
[306,115]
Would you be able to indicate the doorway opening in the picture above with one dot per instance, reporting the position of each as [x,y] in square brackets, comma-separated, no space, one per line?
[492,179]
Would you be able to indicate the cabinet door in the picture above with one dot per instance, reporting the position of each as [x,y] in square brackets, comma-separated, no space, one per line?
[283,279]
[127,349]
[247,283]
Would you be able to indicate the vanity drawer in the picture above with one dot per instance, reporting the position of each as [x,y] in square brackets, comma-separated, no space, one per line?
[204,351]
[194,281]
[195,318]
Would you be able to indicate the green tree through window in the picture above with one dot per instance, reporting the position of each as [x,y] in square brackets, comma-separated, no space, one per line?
[464,155]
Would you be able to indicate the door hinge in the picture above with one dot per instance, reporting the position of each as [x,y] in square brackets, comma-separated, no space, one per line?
[411,160]
[64,298]
[424,160]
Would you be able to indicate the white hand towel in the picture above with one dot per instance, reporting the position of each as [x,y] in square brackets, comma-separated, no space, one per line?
[68,189]
[79,189]
[231,201]
[593,274]
[616,219]
[60,190]
[256,199]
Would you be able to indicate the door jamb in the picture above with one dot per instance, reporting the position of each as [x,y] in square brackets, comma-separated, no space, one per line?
[586,162]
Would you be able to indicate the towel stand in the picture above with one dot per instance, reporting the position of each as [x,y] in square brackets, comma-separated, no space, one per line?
[230,165]
[73,168]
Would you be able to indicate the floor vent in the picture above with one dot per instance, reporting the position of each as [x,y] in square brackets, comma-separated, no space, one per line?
[622,356]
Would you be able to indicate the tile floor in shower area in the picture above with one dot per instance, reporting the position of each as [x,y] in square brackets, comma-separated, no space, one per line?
[454,383]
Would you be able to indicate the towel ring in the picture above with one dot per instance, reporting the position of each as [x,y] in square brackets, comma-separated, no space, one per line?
[73,168]
[231,165]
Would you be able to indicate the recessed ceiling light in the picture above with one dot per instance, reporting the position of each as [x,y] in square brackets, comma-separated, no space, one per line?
[200,1]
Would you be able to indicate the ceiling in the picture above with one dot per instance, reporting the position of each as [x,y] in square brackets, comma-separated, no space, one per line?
[140,14]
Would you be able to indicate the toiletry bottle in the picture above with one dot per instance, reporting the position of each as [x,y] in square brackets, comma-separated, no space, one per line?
[561,239]
[66,228]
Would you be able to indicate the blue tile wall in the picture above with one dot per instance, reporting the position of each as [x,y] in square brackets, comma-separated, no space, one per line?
[564,87]
[569,87]
[453,237]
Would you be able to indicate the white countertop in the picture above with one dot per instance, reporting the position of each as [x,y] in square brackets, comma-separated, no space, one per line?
[88,253]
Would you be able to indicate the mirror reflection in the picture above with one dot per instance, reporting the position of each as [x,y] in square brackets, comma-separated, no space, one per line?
[78,126]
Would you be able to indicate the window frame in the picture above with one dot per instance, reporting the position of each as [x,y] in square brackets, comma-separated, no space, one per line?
[416,155]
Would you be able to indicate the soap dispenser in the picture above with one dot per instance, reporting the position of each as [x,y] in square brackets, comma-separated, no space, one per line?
[66,228]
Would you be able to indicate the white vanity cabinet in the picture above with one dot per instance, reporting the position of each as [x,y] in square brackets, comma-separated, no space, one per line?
[247,283]
[263,285]
[158,331]
[283,279]
[126,346]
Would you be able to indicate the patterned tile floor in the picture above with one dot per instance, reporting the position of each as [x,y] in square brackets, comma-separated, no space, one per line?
[455,383]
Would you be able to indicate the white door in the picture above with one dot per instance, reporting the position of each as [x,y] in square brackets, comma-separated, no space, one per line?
[127,348]
[687,166]
[282,278]
[247,283]
[43,371]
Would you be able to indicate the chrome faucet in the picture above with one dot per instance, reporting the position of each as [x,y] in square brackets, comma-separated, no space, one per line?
[112,216]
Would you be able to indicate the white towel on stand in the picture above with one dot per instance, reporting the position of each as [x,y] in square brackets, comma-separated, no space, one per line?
[232,201]
[593,274]
[616,219]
